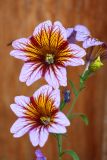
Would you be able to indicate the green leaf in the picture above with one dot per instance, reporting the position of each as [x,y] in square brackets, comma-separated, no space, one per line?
[73,88]
[81,115]
[72,154]
[85,119]
[62,105]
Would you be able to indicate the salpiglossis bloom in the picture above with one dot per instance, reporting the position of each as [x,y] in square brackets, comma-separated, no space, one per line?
[46,54]
[39,115]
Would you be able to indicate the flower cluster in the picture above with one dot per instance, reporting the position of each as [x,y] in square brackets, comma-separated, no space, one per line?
[46,54]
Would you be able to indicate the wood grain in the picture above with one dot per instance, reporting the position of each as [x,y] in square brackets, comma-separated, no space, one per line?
[18,19]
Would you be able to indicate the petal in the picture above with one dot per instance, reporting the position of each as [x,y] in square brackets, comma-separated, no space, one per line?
[91,42]
[50,92]
[82,32]
[30,73]
[18,110]
[71,35]
[45,90]
[58,25]
[22,100]
[61,119]
[77,51]
[19,54]
[22,131]
[69,31]
[38,136]
[50,36]
[20,127]
[56,76]
[55,95]
[56,128]
[20,43]
[43,136]
[34,136]
[76,58]
[45,24]
[74,62]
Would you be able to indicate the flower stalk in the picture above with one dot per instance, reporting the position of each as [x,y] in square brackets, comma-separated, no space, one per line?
[59,141]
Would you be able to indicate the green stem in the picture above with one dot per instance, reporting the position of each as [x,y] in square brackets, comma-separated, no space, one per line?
[81,87]
[59,140]
[73,103]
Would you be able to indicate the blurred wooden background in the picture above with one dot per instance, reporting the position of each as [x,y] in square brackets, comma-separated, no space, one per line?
[18,19]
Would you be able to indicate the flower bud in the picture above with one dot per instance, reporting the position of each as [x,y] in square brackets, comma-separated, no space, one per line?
[96,65]
[67,96]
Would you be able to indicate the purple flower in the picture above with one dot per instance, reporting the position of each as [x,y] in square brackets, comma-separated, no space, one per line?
[39,115]
[83,34]
[46,54]
[39,155]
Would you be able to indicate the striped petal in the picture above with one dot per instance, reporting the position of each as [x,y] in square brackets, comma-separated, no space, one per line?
[50,36]
[47,90]
[91,42]
[38,29]
[34,136]
[22,100]
[19,45]
[76,58]
[18,110]
[38,136]
[56,128]
[43,136]
[20,127]
[30,73]
[56,76]
[61,119]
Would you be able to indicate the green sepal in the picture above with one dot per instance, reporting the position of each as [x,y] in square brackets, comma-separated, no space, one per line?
[72,154]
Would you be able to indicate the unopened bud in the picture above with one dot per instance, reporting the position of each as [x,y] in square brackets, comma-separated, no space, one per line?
[96,65]
[67,96]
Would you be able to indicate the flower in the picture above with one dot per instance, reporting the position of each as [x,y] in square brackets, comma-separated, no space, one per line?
[39,115]
[83,34]
[46,54]
[39,155]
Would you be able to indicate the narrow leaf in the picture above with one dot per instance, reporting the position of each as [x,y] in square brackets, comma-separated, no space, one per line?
[62,105]
[85,119]
[73,88]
